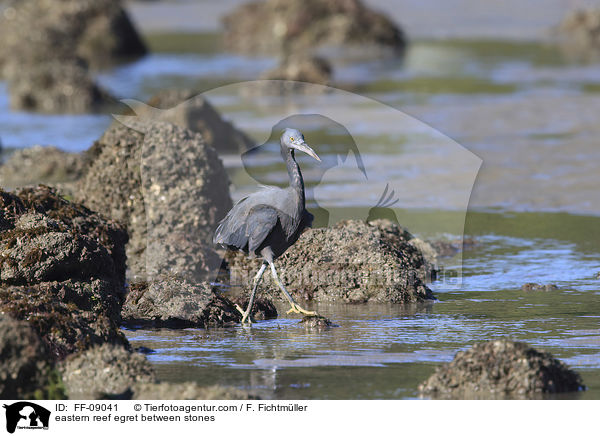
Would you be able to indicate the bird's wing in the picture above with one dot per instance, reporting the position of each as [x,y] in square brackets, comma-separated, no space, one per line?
[231,230]
[262,219]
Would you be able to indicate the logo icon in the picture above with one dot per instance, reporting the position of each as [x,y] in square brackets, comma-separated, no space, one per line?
[26,415]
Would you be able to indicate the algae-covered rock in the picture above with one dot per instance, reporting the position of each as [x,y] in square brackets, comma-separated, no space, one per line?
[352,262]
[291,26]
[62,268]
[501,369]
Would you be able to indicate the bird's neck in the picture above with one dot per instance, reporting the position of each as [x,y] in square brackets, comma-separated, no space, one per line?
[296,180]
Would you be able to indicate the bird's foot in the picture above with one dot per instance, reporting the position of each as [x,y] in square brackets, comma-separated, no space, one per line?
[297,309]
[245,314]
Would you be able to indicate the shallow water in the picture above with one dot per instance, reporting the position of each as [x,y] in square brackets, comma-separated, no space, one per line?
[527,113]
[385,351]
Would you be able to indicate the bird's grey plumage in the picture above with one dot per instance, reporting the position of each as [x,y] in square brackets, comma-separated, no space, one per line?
[269,221]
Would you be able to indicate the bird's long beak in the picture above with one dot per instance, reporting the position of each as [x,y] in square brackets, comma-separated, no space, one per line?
[303,146]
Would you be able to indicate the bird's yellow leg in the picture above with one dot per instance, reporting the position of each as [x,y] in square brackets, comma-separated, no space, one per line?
[246,313]
[295,307]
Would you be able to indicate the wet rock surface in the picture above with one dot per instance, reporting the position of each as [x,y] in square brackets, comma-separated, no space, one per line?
[501,369]
[24,363]
[351,262]
[189,109]
[104,370]
[177,304]
[579,34]
[168,187]
[38,164]
[284,26]
[62,268]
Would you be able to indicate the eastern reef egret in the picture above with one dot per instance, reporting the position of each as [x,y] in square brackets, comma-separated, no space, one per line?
[268,222]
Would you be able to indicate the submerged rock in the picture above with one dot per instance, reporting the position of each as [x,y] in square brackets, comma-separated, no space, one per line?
[579,34]
[62,268]
[170,302]
[351,262]
[501,369]
[37,164]
[291,26]
[104,370]
[189,109]
[24,364]
[168,187]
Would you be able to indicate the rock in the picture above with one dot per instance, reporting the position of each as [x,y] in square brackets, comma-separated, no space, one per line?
[112,186]
[110,372]
[168,188]
[48,165]
[104,370]
[294,72]
[536,287]
[62,268]
[187,391]
[189,109]
[180,255]
[56,86]
[316,322]
[430,255]
[579,34]
[24,364]
[351,262]
[48,45]
[261,309]
[292,26]
[186,193]
[98,31]
[301,68]
[173,303]
[501,369]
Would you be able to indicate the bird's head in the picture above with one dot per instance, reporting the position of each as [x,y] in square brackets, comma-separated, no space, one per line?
[293,138]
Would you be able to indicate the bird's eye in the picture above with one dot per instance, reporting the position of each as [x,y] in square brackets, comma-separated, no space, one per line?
[291,138]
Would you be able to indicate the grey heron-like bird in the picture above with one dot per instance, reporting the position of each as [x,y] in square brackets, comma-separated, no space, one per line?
[268,222]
